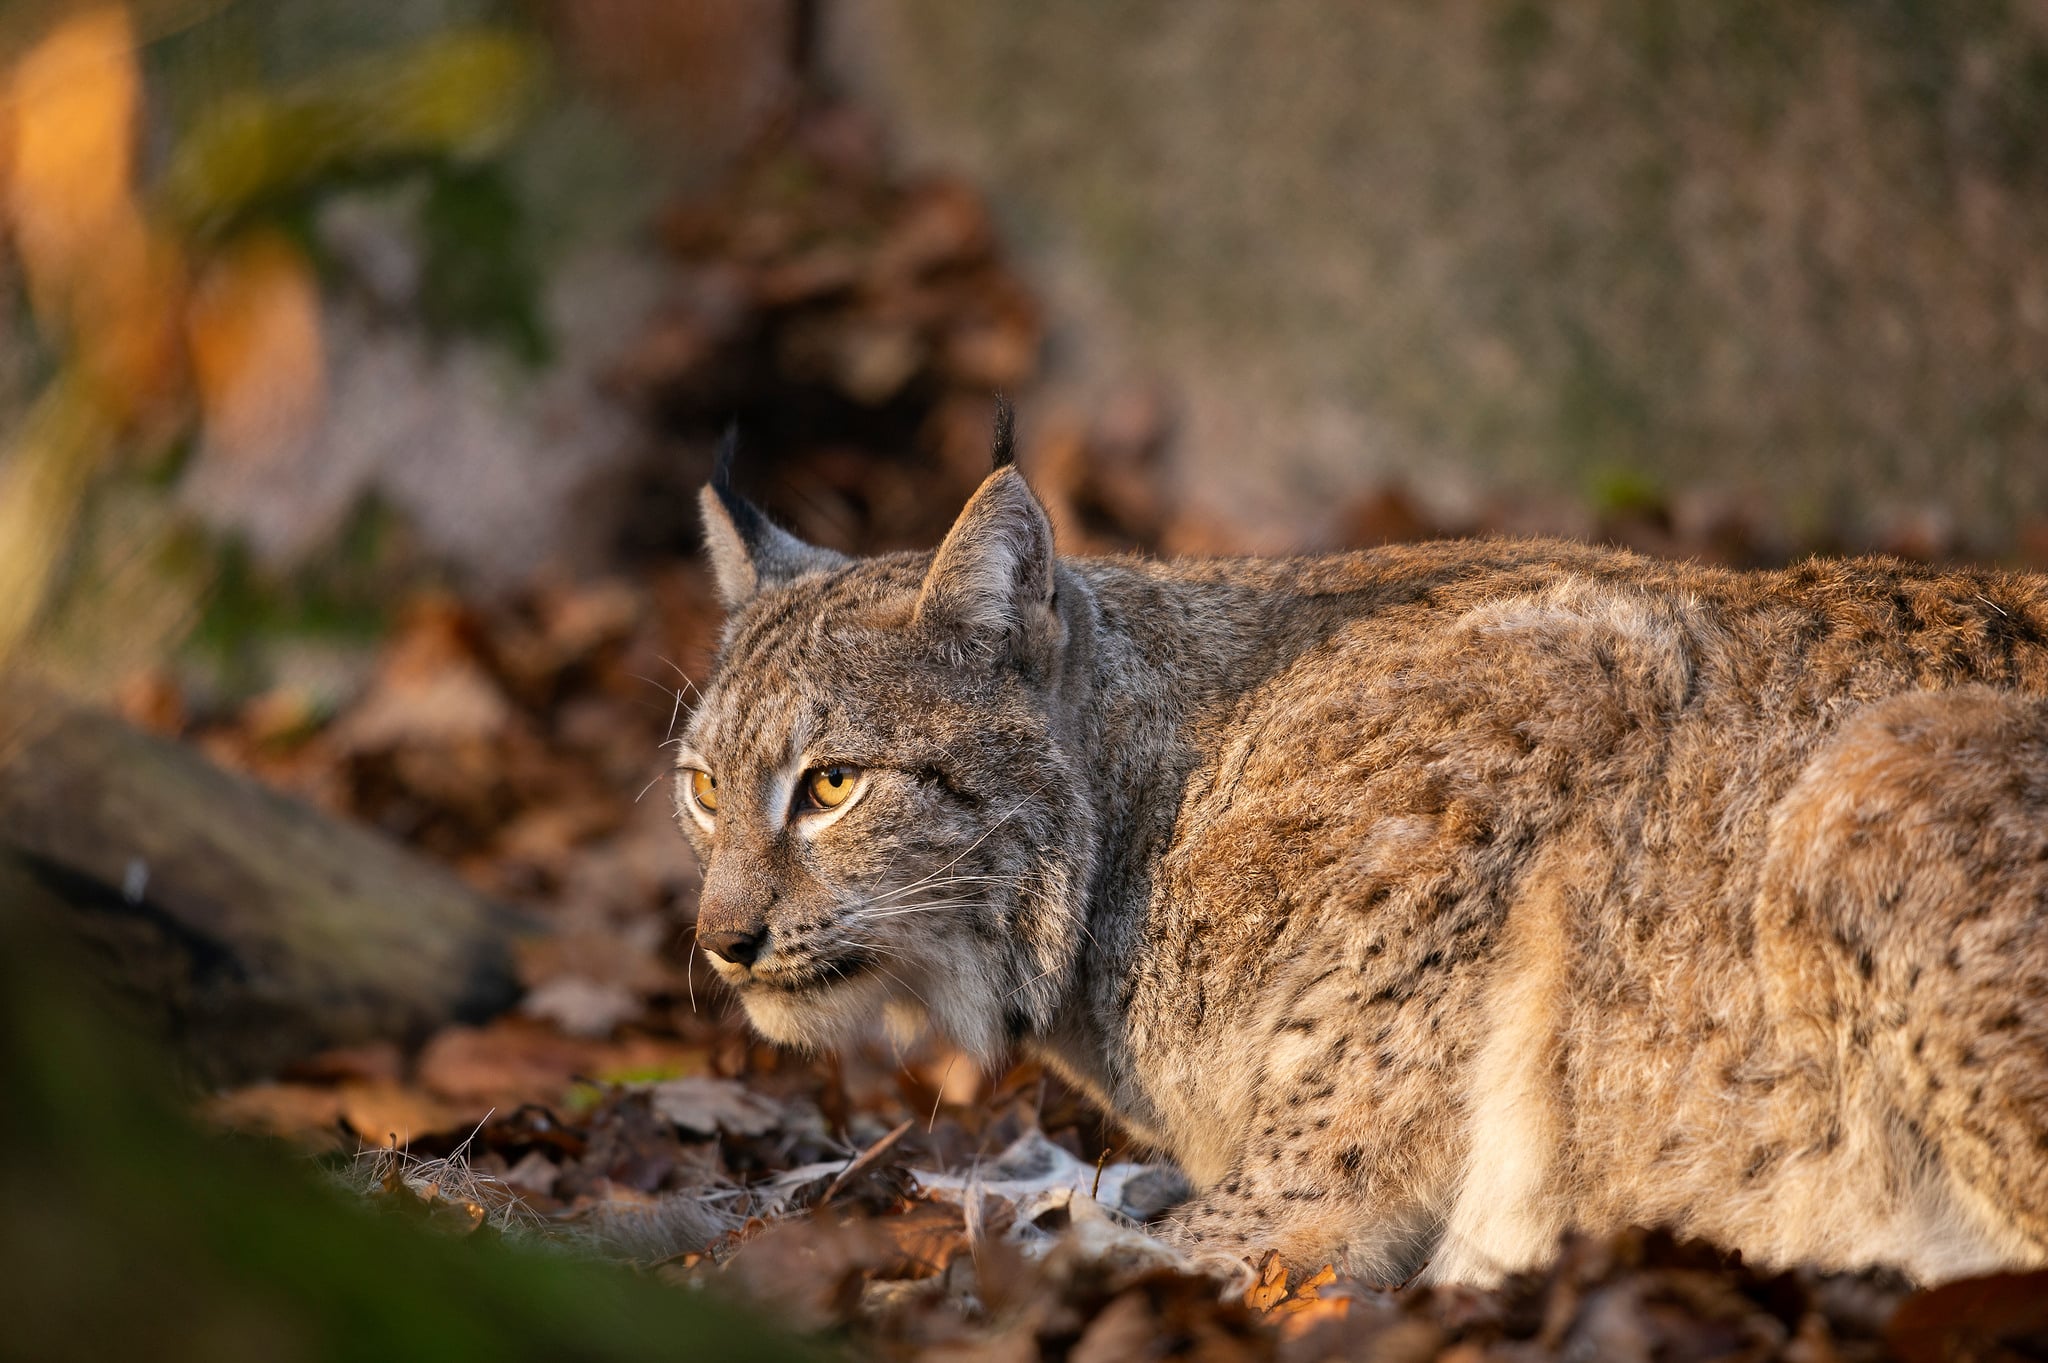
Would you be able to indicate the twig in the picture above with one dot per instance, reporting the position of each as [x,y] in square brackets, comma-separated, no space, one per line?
[864,1161]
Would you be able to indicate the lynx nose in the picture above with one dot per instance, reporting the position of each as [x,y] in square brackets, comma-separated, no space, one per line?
[740,948]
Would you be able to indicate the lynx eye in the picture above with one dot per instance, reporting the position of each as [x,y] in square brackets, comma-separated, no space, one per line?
[829,787]
[704,790]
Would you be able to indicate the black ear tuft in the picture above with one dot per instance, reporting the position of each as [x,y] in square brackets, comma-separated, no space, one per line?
[746,517]
[1005,451]
[728,452]
[748,551]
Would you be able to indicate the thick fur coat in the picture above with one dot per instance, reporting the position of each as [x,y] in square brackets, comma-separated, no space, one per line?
[1427,902]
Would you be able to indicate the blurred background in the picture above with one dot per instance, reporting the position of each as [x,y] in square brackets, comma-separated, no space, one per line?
[293,285]
[360,360]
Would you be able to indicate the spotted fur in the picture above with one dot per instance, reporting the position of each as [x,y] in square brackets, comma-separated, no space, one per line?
[1426,902]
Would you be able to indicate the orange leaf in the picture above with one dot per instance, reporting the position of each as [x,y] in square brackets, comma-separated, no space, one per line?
[97,272]
[254,328]
[1303,1314]
[924,1238]
[293,1110]
[74,97]
[1323,1278]
[1271,1286]
[378,1109]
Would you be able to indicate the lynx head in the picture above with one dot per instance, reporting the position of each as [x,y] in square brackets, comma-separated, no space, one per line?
[880,779]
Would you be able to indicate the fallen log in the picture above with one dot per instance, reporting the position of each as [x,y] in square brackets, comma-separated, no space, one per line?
[248,929]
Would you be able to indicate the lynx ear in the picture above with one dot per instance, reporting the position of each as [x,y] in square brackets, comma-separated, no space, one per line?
[750,553]
[993,576]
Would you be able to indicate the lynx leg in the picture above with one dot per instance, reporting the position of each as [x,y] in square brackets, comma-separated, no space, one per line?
[1231,1219]
[1509,1210]
[1904,924]
[1310,1223]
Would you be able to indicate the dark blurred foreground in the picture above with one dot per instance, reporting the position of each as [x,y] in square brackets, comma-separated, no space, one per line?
[125,1233]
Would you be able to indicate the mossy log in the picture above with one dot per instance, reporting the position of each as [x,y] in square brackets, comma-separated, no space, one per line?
[248,928]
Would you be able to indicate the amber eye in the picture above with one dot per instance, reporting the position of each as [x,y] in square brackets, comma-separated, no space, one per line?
[704,790]
[828,787]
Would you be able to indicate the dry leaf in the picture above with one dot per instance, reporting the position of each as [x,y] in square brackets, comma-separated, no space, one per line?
[1323,1278]
[1297,1318]
[2003,1316]
[708,1106]
[534,1173]
[1123,1330]
[1308,1308]
[504,1063]
[373,1060]
[379,1110]
[293,1110]
[459,701]
[253,324]
[1271,1285]
[514,1060]
[924,1239]
[124,313]
[97,272]
[75,95]
[581,1007]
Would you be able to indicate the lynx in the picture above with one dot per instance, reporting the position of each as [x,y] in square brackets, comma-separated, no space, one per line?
[1422,903]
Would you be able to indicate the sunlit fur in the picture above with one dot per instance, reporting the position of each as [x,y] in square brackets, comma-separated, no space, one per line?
[949,884]
[1428,902]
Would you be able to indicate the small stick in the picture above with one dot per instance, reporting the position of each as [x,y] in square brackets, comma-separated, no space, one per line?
[940,1097]
[864,1160]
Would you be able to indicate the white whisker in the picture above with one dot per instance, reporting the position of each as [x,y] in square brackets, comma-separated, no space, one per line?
[906,910]
[683,676]
[930,884]
[1028,983]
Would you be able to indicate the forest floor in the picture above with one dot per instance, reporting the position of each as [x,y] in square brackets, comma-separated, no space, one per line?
[900,1200]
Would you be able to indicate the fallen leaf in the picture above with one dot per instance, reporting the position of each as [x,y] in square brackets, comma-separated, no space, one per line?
[373,1060]
[924,1238]
[379,1110]
[508,1062]
[1300,1316]
[2002,1316]
[1271,1286]
[580,1007]
[430,686]
[1123,1330]
[708,1106]
[253,325]
[534,1173]
[292,1110]
[1324,1276]
[459,701]
[74,98]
